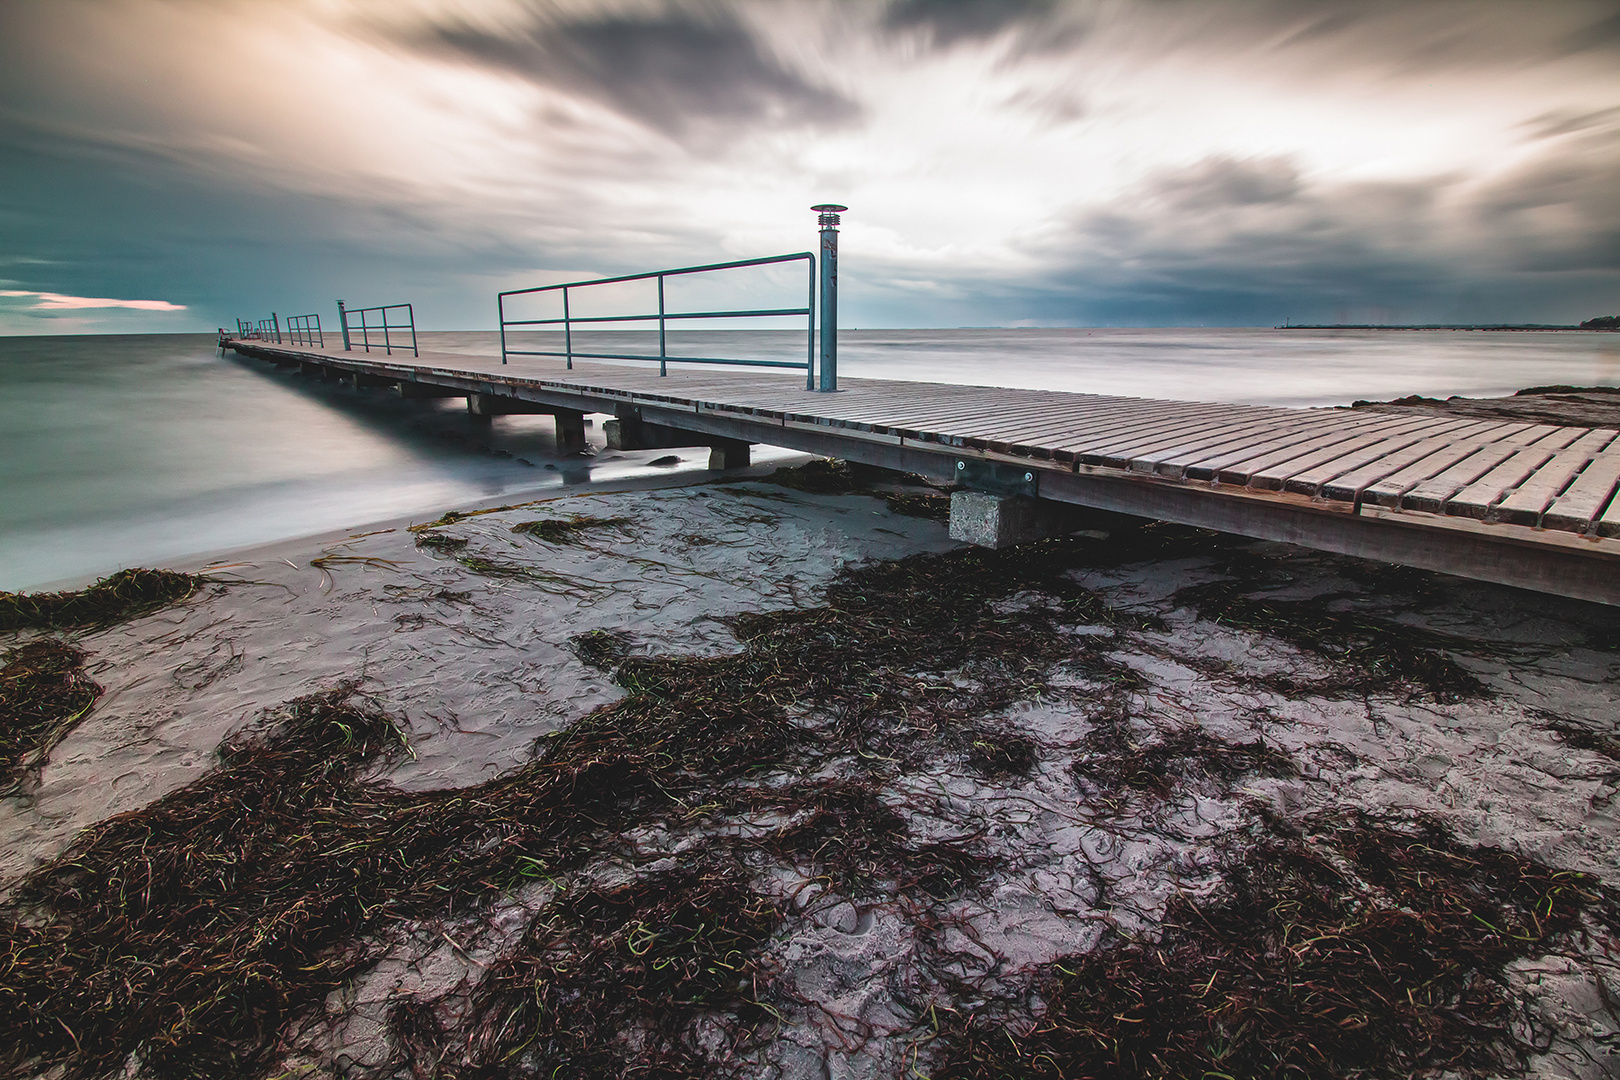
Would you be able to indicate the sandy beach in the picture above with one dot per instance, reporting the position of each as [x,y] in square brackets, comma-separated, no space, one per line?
[748,779]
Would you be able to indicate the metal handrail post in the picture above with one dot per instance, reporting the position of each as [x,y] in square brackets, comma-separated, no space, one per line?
[500,314]
[810,329]
[275,324]
[663,350]
[568,331]
[829,293]
[410,313]
[343,320]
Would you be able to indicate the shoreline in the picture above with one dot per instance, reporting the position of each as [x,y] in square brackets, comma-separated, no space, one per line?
[1025,758]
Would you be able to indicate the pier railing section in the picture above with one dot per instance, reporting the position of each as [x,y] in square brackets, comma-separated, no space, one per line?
[305,330]
[663,317]
[383,320]
[263,330]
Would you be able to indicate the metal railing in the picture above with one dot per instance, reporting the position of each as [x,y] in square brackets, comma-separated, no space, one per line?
[663,316]
[305,330]
[366,327]
[263,330]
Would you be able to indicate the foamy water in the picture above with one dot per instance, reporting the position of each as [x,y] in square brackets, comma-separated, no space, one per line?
[142,450]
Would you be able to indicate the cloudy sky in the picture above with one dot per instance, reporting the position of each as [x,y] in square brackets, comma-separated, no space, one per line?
[173,164]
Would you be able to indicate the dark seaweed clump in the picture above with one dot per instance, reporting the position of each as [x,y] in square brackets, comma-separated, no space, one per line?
[1370,651]
[1112,766]
[1365,947]
[679,946]
[834,476]
[930,507]
[125,595]
[568,530]
[440,542]
[44,692]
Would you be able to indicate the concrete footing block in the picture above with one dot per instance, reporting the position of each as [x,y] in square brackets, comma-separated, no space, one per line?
[998,521]
[729,454]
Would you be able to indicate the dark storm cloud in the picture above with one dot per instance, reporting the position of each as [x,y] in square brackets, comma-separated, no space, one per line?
[948,22]
[1604,34]
[672,69]
[87,217]
[1250,240]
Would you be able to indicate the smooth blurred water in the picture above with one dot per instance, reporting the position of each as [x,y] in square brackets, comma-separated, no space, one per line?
[141,450]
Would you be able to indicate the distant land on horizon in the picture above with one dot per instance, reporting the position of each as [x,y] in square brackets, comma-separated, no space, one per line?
[1609,323]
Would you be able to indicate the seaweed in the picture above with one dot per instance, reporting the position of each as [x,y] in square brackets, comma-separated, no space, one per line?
[569,530]
[117,598]
[1363,947]
[835,476]
[608,981]
[1112,766]
[604,650]
[997,753]
[440,542]
[930,507]
[44,692]
[1370,653]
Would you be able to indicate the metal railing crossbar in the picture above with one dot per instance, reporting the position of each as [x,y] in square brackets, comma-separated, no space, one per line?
[672,359]
[306,330]
[663,316]
[365,327]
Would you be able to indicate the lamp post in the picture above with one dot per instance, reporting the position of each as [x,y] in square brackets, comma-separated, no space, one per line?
[829,293]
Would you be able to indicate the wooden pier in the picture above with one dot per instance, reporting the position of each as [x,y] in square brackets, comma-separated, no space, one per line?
[1528,505]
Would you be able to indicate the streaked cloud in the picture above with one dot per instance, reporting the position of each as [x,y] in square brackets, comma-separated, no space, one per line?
[47,301]
[1006,162]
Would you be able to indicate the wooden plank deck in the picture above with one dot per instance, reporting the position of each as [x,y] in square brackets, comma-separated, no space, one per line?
[1520,503]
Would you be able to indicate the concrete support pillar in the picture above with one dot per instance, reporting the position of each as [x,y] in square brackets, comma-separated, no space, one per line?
[729,454]
[998,521]
[570,429]
[625,433]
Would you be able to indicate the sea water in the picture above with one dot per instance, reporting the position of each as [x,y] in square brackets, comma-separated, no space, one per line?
[143,450]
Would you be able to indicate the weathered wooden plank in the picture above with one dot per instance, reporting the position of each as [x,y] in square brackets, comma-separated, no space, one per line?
[1171,460]
[1341,440]
[1533,433]
[1400,470]
[1586,497]
[1525,505]
[1309,481]
[1440,455]
[1430,495]
[1477,499]
[1033,423]
[1072,435]
[1208,467]
[1609,523]
[1275,476]
[1133,443]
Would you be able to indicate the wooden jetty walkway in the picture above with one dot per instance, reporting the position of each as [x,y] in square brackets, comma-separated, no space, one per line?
[1529,505]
